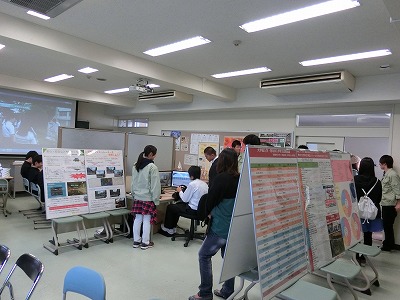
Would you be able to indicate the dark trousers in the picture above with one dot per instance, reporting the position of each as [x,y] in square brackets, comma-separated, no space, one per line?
[368,238]
[388,216]
[174,211]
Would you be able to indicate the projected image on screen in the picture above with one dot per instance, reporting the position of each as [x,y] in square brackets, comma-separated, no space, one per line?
[180,178]
[30,121]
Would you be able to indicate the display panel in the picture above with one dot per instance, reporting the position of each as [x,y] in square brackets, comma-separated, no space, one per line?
[165,178]
[30,121]
[180,178]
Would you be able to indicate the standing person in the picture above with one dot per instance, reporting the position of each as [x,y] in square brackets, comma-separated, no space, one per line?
[146,191]
[237,145]
[211,156]
[190,200]
[250,139]
[390,200]
[27,163]
[366,181]
[220,202]
[355,164]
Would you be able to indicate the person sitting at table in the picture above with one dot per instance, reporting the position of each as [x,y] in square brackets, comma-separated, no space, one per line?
[28,163]
[35,174]
[190,199]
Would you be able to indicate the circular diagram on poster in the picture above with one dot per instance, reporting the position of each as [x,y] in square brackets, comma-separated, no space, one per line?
[346,230]
[353,192]
[346,203]
[356,226]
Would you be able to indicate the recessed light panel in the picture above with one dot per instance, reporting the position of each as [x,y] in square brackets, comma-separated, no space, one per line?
[116,91]
[38,15]
[242,72]
[2,46]
[300,14]
[185,44]
[87,70]
[348,57]
[58,78]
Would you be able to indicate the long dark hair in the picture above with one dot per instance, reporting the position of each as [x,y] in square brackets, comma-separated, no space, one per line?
[367,167]
[228,162]
[142,156]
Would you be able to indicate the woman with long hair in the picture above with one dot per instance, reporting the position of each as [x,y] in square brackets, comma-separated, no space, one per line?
[220,201]
[146,191]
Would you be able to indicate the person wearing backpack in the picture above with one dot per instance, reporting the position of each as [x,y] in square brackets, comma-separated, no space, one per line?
[367,183]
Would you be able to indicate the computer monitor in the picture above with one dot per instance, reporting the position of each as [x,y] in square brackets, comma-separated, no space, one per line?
[180,178]
[165,178]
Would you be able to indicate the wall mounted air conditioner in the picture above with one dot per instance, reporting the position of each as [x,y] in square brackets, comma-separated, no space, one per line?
[341,81]
[170,97]
[50,8]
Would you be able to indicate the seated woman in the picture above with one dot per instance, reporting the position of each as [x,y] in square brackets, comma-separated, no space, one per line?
[190,199]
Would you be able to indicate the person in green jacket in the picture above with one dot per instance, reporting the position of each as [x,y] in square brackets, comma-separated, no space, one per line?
[390,200]
[146,191]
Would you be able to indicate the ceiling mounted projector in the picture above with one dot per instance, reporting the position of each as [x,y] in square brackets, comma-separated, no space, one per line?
[141,86]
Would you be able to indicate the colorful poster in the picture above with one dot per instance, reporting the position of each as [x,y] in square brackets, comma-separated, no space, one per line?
[322,221]
[346,198]
[276,139]
[277,217]
[105,179]
[64,178]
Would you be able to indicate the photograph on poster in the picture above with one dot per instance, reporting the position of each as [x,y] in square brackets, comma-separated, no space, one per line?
[100,173]
[56,189]
[118,173]
[115,192]
[106,181]
[100,194]
[119,202]
[110,170]
[91,170]
[76,188]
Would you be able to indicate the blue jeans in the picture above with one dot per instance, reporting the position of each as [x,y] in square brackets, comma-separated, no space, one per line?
[209,248]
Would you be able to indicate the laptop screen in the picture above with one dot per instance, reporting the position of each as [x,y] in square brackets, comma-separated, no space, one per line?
[180,178]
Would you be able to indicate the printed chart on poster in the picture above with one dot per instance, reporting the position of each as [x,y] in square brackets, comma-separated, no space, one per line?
[64,176]
[346,198]
[278,218]
[322,220]
[105,179]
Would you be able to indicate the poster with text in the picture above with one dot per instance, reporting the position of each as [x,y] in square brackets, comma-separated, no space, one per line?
[346,198]
[277,214]
[64,179]
[105,179]
[322,220]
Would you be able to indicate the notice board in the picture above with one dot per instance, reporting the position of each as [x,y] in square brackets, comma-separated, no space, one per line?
[285,198]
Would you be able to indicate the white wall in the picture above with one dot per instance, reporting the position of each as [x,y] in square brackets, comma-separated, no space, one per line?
[95,114]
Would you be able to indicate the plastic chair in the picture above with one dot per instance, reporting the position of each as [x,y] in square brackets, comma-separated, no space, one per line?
[4,256]
[85,282]
[32,267]
[27,186]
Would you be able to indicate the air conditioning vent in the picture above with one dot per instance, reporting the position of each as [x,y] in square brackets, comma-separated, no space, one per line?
[341,81]
[169,97]
[51,8]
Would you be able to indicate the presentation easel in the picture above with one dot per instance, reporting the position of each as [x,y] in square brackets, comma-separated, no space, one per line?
[268,228]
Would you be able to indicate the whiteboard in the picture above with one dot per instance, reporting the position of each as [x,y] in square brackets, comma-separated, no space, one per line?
[164,145]
[78,138]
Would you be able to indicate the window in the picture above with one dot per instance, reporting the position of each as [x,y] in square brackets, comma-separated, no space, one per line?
[345,120]
[133,123]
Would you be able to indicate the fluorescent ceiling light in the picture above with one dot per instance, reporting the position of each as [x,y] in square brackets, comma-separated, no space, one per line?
[36,14]
[348,57]
[2,46]
[189,43]
[58,78]
[300,14]
[153,85]
[87,70]
[116,91]
[242,72]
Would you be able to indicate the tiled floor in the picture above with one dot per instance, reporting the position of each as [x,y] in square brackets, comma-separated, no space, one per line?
[168,271]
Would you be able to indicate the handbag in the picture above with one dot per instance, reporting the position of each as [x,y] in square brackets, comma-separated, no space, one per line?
[366,207]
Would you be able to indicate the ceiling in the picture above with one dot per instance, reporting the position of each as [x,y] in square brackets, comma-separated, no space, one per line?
[111,36]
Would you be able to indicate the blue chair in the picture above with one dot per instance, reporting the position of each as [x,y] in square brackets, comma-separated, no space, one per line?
[85,282]
[4,256]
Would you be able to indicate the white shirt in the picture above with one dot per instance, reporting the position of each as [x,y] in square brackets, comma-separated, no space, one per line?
[193,193]
[8,129]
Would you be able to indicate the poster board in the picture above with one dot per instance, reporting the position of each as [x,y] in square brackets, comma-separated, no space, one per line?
[286,242]
[78,181]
